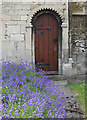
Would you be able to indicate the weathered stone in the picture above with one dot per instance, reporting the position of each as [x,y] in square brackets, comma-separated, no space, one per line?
[18,6]
[23,29]
[13,29]
[78,35]
[21,22]
[32,6]
[26,6]
[15,17]
[6,17]
[17,37]
[22,12]
[11,23]
[23,17]
[6,38]
[20,46]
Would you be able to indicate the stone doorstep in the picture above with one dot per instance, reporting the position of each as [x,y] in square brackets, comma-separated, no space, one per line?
[57,77]
[63,82]
[65,79]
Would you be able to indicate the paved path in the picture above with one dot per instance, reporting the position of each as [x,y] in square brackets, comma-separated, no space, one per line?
[73,106]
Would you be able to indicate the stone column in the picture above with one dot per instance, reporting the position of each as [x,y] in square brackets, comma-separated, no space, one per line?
[29,43]
[64,44]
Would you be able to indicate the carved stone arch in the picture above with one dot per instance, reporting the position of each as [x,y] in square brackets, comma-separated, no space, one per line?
[36,15]
[56,10]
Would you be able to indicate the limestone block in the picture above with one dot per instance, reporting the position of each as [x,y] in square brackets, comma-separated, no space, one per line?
[3,28]
[81,69]
[20,54]
[6,38]
[68,70]
[21,46]
[15,17]
[22,12]
[28,55]
[0,13]
[7,48]
[71,61]
[13,29]
[4,7]
[5,45]
[18,6]
[26,6]
[12,12]
[51,1]
[12,22]
[5,11]
[17,37]
[0,27]
[6,17]
[33,6]
[21,22]
[23,28]
[3,55]
[13,48]
[10,52]
[23,17]
[37,1]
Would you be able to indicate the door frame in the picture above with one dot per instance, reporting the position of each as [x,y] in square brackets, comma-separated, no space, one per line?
[59,37]
[63,57]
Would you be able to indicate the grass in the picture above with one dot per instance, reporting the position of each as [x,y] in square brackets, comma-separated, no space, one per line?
[80,90]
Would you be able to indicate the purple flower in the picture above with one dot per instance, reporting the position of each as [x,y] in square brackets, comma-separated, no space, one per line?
[29,117]
[18,102]
[17,75]
[23,113]
[10,110]
[52,116]
[31,109]
[19,106]
[25,105]
[37,108]
[34,112]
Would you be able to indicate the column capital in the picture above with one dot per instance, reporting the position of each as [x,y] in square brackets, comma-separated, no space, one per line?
[64,25]
[29,26]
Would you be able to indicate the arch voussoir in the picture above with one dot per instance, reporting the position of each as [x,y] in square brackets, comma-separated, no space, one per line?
[45,7]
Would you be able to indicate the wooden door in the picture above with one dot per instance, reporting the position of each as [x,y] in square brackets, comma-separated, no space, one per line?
[46,43]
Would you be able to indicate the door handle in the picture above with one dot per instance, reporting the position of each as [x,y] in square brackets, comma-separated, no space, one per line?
[54,39]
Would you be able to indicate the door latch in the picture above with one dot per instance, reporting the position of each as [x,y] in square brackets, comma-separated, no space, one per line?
[54,39]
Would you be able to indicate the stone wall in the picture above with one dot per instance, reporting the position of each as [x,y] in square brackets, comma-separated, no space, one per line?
[17,35]
[15,19]
[78,35]
[14,16]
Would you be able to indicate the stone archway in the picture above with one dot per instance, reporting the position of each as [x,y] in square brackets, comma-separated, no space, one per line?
[63,44]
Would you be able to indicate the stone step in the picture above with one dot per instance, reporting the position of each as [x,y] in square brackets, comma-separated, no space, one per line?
[57,77]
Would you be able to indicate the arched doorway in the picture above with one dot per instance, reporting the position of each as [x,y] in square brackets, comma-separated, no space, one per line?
[47,41]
